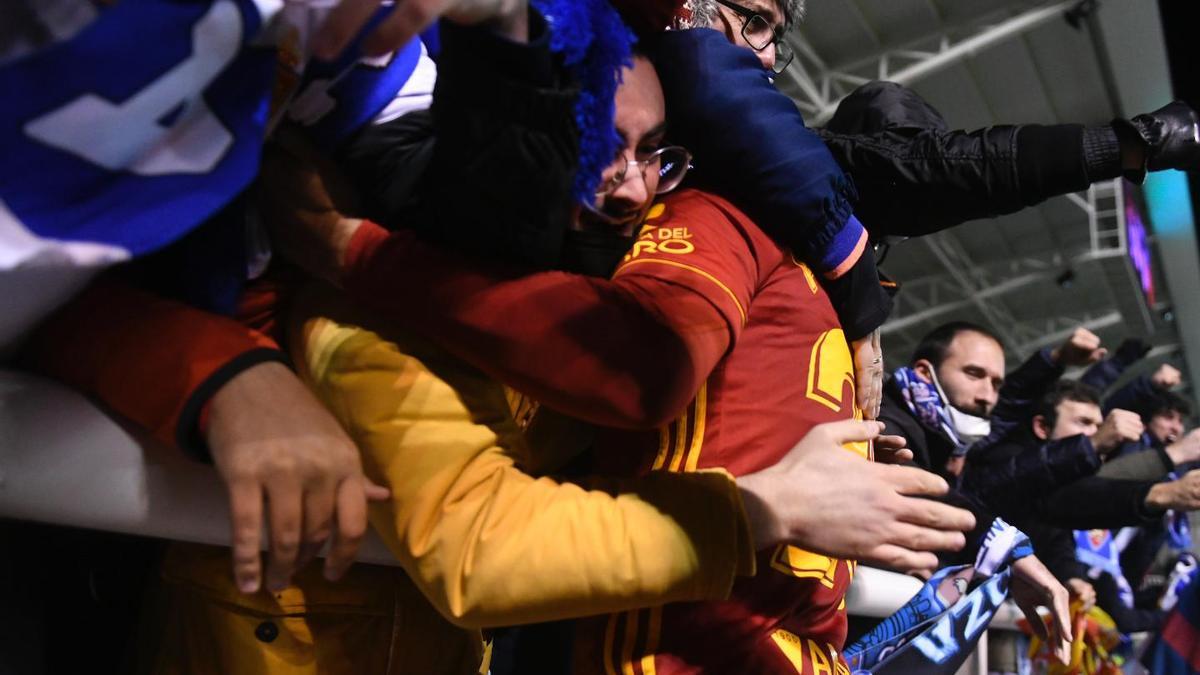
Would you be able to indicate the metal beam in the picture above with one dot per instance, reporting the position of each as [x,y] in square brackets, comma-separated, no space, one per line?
[1103,203]
[917,59]
[995,279]
[1090,323]
[914,318]
[958,263]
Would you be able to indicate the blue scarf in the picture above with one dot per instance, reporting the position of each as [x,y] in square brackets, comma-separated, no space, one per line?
[936,630]
[925,402]
[1179,531]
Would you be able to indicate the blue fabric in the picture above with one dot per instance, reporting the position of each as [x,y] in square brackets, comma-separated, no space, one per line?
[925,402]
[751,145]
[1176,649]
[115,184]
[357,90]
[1179,531]
[1097,549]
[432,38]
[936,630]
[944,646]
[921,609]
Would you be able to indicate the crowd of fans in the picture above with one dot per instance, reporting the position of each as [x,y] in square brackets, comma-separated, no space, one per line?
[565,301]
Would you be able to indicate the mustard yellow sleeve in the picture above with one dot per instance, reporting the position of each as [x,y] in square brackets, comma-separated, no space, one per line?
[488,544]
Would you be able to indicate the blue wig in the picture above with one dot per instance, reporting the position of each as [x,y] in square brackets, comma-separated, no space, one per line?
[594,45]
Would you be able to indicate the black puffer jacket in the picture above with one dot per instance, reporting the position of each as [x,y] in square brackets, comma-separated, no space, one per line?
[916,176]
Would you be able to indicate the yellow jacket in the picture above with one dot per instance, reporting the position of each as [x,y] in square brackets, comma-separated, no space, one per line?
[488,544]
[372,622]
[480,542]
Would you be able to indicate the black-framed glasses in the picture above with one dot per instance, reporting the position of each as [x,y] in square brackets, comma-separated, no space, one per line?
[759,34]
[671,163]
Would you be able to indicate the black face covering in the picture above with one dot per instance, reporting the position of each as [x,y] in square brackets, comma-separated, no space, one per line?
[595,254]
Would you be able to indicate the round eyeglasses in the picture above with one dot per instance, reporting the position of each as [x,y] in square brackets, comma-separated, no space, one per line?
[671,163]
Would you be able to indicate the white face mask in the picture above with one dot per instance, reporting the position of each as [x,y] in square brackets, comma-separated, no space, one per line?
[968,427]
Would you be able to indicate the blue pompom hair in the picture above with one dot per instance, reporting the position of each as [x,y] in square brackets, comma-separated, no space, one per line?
[595,44]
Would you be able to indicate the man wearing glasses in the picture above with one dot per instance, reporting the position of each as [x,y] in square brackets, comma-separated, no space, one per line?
[759,25]
[883,136]
[711,347]
[879,158]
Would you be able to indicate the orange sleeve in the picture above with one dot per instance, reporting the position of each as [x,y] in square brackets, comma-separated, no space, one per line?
[152,360]
[644,342]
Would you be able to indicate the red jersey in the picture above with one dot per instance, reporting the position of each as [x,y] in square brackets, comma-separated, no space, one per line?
[787,369]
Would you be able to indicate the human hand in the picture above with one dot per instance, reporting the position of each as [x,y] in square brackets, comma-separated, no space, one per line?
[1082,591]
[1082,348]
[1166,377]
[827,499]
[868,373]
[1120,426]
[1162,139]
[301,198]
[892,450]
[1186,449]
[410,17]
[1182,494]
[1034,586]
[272,441]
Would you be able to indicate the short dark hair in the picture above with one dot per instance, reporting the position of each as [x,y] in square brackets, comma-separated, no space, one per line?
[933,347]
[1163,402]
[1065,390]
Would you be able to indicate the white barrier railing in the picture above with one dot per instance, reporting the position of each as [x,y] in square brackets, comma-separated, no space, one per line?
[119,482]
[65,462]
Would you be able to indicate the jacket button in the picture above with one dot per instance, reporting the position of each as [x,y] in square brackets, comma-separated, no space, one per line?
[266,631]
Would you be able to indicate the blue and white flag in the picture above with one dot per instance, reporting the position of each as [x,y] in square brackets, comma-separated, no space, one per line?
[121,138]
[138,122]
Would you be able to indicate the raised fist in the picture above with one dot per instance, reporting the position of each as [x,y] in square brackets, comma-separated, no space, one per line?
[1166,377]
[1166,137]
[1120,426]
[1081,349]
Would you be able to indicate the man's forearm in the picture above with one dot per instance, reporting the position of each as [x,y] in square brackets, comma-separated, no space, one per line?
[1151,464]
[644,360]
[1102,503]
[153,360]
[769,164]
[488,544]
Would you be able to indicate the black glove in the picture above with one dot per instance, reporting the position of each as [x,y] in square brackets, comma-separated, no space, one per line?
[1170,135]
[1131,351]
[862,303]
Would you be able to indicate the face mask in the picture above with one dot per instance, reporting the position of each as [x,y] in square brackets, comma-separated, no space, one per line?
[968,427]
[594,253]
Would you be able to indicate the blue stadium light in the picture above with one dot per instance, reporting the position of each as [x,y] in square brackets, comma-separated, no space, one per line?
[1169,202]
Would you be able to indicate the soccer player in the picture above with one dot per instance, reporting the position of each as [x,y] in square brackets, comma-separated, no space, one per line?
[684,334]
